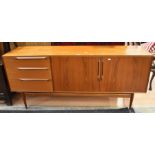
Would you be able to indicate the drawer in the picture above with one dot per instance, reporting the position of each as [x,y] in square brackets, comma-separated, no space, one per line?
[30,72]
[31,85]
[15,62]
[28,67]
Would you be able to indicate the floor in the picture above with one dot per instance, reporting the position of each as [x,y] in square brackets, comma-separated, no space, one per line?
[143,102]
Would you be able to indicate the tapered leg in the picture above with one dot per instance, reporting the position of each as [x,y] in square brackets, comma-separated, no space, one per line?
[131,100]
[152,77]
[24,99]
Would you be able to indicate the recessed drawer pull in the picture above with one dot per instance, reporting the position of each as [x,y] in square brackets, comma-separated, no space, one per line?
[24,79]
[32,68]
[30,58]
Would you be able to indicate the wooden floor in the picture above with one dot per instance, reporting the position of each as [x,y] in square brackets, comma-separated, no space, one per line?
[143,102]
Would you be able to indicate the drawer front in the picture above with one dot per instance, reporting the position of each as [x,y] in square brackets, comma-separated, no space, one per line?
[15,62]
[27,85]
[29,74]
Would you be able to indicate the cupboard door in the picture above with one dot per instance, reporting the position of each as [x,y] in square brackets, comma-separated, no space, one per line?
[125,74]
[75,74]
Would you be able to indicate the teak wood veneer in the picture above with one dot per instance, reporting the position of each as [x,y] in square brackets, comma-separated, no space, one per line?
[78,70]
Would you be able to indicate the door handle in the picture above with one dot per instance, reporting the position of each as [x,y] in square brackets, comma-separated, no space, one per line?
[102,65]
[99,70]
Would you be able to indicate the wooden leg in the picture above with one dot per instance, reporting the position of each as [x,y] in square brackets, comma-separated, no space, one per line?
[152,77]
[131,100]
[24,100]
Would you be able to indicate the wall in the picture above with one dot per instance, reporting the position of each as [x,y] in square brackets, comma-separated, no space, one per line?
[1,48]
[88,43]
[33,43]
[12,45]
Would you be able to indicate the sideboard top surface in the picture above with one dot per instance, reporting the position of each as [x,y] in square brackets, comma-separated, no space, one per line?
[78,50]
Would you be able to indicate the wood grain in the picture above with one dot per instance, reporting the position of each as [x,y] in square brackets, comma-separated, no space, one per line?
[78,51]
[75,74]
[30,86]
[12,67]
[76,69]
[125,74]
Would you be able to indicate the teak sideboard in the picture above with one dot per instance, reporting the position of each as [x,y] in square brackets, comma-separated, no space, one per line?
[78,70]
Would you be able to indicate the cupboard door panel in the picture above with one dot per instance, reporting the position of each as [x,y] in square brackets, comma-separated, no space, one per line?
[125,74]
[75,74]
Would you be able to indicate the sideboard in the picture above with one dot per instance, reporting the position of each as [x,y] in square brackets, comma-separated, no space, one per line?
[78,70]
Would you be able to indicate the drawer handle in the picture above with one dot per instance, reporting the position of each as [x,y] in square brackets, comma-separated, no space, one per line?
[32,68]
[30,58]
[24,79]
